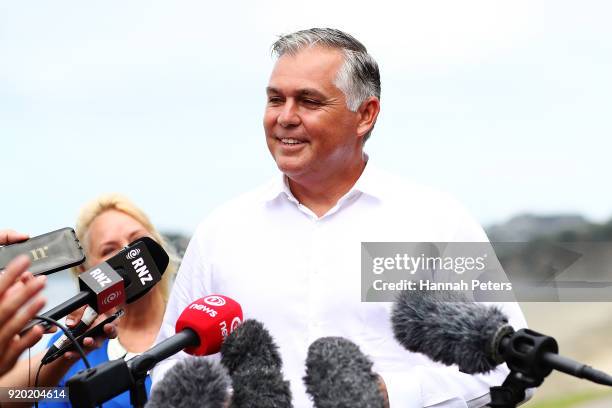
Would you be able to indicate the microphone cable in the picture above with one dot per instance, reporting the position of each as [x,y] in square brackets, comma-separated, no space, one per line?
[70,336]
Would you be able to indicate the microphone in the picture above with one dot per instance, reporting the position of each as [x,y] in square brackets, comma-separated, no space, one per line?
[451,330]
[339,375]
[200,330]
[250,345]
[89,315]
[254,363]
[260,387]
[125,277]
[194,382]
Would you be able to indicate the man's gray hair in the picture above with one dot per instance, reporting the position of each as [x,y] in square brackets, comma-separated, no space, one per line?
[358,78]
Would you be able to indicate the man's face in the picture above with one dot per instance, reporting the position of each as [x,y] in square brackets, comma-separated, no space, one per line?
[309,129]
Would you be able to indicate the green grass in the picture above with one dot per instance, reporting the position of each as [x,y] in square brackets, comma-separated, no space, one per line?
[569,401]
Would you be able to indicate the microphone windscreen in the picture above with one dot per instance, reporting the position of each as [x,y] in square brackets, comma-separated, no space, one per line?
[250,345]
[339,375]
[194,382]
[261,387]
[448,328]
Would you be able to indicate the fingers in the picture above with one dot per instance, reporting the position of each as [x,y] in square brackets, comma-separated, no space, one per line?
[70,356]
[110,329]
[10,237]
[18,304]
[88,344]
[12,272]
[11,344]
[17,320]
[20,344]
[75,317]
[26,276]
[30,338]
[91,343]
[382,387]
[21,280]
[19,297]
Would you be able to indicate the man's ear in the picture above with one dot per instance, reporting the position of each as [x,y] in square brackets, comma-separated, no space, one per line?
[368,112]
[81,268]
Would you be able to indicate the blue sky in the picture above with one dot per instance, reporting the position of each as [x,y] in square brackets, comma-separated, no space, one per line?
[504,104]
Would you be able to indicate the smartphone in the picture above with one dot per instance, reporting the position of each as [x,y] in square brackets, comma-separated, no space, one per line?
[48,253]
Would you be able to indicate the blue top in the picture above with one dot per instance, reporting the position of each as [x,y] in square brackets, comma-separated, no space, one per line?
[96,357]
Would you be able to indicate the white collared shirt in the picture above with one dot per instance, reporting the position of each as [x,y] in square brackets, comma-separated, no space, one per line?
[300,275]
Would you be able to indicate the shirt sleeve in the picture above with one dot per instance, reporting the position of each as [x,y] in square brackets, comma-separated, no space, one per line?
[190,284]
[432,386]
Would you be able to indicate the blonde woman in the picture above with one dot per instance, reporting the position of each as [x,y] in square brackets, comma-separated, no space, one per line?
[103,227]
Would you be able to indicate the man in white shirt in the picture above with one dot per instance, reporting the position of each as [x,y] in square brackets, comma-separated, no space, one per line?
[290,251]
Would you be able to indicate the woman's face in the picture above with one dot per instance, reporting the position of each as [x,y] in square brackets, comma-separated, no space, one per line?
[110,232]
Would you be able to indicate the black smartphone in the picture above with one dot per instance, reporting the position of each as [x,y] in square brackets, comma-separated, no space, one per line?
[48,253]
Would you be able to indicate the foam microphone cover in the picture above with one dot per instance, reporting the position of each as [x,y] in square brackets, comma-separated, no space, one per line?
[255,365]
[448,328]
[261,387]
[194,382]
[250,345]
[339,375]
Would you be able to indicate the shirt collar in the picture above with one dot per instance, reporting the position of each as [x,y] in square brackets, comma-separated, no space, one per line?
[276,187]
[368,183]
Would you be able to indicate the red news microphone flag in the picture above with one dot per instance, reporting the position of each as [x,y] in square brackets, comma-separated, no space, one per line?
[212,317]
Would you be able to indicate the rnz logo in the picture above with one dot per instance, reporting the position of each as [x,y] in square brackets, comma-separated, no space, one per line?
[133,253]
[142,271]
[111,297]
[100,277]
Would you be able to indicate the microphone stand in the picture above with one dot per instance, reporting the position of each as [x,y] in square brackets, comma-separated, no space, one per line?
[523,352]
[511,392]
[140,366]
[138,393]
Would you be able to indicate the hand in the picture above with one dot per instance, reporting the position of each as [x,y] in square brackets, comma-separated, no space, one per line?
[10,237]
[89,343]
[382,387]
[19,302]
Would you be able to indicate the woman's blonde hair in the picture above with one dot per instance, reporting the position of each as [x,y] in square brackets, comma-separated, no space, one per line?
[119,202]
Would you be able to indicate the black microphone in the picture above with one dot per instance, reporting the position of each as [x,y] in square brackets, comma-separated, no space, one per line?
[89,315]
[451,330]
[125,277]
[254,363]
[194,382]
[339,375]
